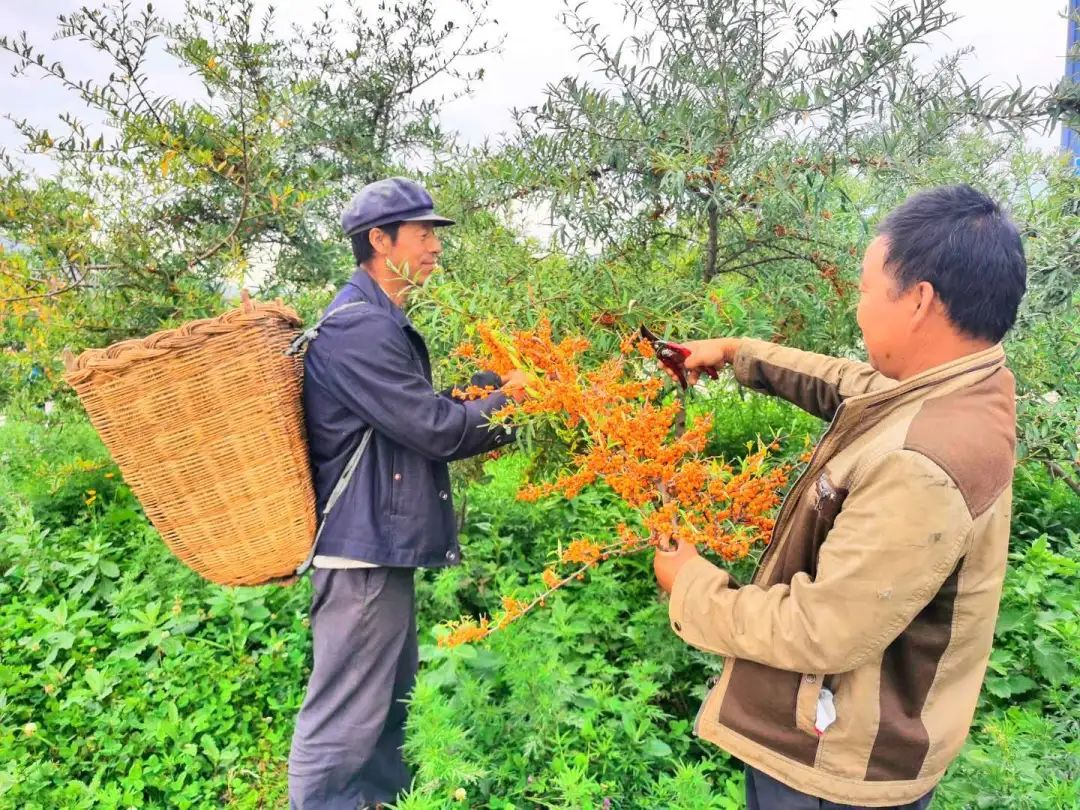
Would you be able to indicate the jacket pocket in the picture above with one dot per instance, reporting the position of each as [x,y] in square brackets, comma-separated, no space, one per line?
[829,499]
[413,490]
[806,703]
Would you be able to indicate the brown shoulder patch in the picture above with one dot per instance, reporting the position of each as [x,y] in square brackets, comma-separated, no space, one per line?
[971,434]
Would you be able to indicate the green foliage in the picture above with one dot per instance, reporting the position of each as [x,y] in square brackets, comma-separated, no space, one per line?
[1038,628]
[1018,758]
[740,417]
[589,699]
[125,679]
[1047,352]
[180,199]
[1024,751]
[1051,507]
[147,687]
[728,127]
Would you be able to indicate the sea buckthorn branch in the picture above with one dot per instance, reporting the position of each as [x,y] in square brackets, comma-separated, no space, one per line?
[623,434]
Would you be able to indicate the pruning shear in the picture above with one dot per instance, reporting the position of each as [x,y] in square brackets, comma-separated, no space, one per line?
[673,356]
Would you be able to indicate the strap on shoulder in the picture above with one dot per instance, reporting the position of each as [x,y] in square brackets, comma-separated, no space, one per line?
[300,342]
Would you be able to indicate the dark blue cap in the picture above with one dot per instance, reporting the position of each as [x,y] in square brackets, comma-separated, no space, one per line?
[396,199]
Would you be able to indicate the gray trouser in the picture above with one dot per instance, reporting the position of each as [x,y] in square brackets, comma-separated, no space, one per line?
[346,749]
[765,793]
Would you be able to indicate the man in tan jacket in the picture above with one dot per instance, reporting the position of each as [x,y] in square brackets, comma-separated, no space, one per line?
[854,659]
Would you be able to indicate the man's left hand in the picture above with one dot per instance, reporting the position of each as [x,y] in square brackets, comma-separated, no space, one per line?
[513,385]
[667,564]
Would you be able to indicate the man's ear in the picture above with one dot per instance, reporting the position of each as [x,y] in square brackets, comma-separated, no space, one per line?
[379,239]
[925,300]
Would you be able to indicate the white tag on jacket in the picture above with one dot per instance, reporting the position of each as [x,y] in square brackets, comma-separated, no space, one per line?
[826,711]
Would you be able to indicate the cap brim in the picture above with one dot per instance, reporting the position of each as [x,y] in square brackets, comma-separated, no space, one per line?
[434,219]
[426,216]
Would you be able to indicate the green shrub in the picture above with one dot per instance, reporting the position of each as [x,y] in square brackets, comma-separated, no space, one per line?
[126,680]
[741,417]
[589,700]
[1024,751]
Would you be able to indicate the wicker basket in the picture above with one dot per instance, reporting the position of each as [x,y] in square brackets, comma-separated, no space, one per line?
[206,424]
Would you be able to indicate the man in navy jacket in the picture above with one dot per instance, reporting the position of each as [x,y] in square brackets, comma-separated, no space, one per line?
[369,371]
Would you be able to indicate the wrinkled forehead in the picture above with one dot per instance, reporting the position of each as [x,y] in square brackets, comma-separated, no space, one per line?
[419,226]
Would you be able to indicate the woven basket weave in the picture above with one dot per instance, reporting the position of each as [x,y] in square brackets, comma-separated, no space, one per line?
[206,424]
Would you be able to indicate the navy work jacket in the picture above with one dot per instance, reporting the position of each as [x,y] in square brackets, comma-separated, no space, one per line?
[368,367]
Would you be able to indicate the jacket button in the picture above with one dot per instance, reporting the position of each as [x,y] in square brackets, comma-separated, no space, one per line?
[397,476]
[450,555]
[811,678]
[443,495]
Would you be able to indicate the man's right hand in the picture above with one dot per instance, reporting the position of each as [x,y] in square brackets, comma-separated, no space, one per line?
[715,353]
[513,384]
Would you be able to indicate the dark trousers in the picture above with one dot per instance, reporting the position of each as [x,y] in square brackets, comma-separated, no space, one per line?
[346,749]
[765,793]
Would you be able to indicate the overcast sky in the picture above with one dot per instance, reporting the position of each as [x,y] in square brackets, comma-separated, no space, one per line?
[1013,41]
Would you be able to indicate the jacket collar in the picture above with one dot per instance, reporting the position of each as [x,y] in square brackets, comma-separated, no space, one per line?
[362,287]
[986,361]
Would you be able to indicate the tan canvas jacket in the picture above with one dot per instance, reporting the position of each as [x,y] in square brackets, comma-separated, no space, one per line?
[880,587]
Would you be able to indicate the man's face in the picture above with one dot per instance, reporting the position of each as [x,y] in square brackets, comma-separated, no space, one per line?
[885,315]
[416,251]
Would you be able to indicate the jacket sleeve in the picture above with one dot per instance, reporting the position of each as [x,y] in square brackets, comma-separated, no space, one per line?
[899,535]
[816,383]
[370,370]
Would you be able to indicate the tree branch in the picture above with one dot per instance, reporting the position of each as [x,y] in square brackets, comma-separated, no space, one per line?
[1058,472]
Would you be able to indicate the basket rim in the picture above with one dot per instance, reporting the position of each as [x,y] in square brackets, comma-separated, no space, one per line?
[125,353]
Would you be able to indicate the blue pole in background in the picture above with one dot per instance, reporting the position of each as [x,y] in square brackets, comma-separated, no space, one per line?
[1070,139]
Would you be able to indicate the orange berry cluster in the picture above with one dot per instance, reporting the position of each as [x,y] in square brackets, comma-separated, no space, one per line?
[631,441]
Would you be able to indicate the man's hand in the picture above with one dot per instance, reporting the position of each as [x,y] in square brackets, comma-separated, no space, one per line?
[513,385]
[715,353]
[668,563]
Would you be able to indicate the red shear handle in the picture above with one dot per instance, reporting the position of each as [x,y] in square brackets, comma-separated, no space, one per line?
[685,351]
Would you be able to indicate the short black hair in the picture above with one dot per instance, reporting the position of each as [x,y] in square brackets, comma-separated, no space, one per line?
[967,247]
[361,241]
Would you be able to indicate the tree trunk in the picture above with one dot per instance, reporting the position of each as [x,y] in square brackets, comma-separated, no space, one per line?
[709,269]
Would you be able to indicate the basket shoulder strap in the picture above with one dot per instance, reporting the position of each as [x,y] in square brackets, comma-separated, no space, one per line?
[336,493]
[347,473]
[298,345]
[300,342]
